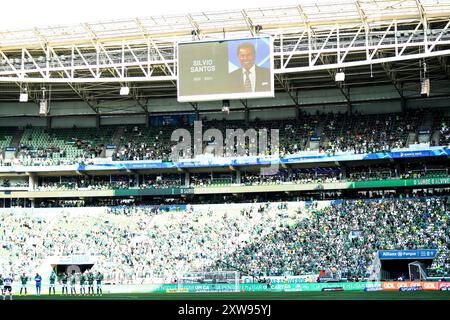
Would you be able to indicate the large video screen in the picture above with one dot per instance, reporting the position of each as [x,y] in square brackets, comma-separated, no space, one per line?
[225,69]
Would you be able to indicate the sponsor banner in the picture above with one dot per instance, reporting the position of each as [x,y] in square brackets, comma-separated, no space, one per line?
[407,254]
[372,289]
[418,288]
[396,285]
[281,279]
[183,290]
[278,287]
[302,157]
[73,259]
[444,285]
[172,120]
[249,287]
[153,191]
[333,289]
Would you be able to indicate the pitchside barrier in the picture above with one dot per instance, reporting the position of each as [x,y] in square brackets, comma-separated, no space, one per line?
[243,287]
[253,287]
[425,285]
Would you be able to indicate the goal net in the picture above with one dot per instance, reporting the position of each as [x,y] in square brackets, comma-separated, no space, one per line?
[214,281]
[417,271]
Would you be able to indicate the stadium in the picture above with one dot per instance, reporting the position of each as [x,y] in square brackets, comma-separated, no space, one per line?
[286,152]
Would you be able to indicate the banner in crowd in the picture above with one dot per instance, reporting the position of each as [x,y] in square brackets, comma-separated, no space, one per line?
[153,191]
[172,120]
[302,157]
[73,259]
[407,254]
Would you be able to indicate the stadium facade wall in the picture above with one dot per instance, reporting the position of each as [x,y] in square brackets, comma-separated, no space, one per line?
[120,120]
[378,107]
[22,121]
[70,108]
[227,189]
[428,103]
[79,121]
[375,93]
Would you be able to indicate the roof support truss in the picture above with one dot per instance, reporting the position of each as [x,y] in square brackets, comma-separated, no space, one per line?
[296,50]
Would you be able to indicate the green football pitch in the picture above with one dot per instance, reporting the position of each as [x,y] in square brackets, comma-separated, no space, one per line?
[341,295]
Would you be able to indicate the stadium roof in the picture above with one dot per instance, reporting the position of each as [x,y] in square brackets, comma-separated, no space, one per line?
[316,15]
[352,16]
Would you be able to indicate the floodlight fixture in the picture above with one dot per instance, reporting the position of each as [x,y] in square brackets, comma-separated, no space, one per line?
[124,91]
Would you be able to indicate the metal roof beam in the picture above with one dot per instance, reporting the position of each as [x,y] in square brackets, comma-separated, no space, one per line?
[391,75]
[78,89]
[287,86]
[249,22]
[136,96]
[196,29]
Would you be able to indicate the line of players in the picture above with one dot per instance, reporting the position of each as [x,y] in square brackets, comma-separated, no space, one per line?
[83,278]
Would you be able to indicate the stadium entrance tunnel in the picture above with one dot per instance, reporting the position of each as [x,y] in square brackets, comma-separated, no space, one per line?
[394,269]
[68,268]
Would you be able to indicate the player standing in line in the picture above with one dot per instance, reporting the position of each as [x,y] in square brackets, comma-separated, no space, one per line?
[73,282]
[1,283]
[99,279]
[38,280]
[64,283]
[82,284]
[91,279]
[8,286]
[52,283]
[23,280]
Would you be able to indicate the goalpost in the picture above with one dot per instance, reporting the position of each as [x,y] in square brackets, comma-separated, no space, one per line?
[212,281]
[417,271]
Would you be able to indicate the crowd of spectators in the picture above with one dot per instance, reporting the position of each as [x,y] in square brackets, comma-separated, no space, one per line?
[133,244]
[144,143]
[87,183]
[444,131]
[354,133]
[325,240]
[358,133]
[298,176]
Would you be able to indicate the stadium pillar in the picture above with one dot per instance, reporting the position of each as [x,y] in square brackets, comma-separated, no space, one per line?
[186,179]
[238,176]
[147,119]
[197,115]
[97,121]
[49,122]
[350,109]
[297,112]
[403,105]
[32,182]
[136,177]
